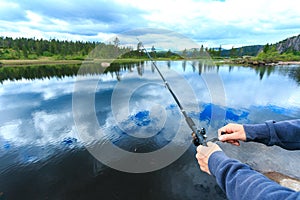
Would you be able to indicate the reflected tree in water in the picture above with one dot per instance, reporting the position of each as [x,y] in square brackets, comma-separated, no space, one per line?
[61,71]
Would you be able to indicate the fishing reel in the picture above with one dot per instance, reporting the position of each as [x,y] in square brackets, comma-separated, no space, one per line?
[199,137]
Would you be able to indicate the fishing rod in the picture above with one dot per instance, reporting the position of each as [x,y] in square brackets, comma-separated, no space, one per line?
[198,135]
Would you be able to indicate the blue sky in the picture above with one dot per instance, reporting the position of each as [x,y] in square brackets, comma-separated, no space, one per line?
[209,22]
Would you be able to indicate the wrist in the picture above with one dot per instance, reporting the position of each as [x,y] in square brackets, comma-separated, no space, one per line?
[214,160]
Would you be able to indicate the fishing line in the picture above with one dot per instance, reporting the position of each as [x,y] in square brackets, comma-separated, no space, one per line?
[198,135]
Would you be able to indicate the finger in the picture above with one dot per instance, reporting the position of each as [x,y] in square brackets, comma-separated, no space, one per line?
[233,142]
[221,130]
[225,129]
[236,143]
[229,136]
[210,144]
[200,156]
[199,148]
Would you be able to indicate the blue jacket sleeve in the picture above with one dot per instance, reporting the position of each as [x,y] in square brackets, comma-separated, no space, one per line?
[239,181]
[285,134]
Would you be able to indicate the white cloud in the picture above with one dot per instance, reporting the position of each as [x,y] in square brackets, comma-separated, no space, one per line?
[33,17]
[232,22]
[213,23]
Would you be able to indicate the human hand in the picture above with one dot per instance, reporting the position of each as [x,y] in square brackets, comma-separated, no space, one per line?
[203,154]
[234,133]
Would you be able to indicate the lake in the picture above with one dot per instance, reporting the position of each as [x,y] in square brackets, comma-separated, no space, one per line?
[118,133]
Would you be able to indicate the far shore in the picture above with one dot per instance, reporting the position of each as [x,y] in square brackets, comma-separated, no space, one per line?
[49,61]
[12,63]
[252,62]
[288,63]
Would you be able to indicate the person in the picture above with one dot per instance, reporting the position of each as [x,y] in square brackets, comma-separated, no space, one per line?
[237,179]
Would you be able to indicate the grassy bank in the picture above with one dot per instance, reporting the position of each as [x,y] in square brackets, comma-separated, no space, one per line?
[218,61]
[7,63]
[50,61]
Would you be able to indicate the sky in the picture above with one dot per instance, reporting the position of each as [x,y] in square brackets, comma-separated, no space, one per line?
[229,23]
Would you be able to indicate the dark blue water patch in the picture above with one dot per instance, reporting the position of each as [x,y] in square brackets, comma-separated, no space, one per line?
[231,114]
[6,145]
[236,115]
[69,141]
[206,113]
[141,118]
[171,107]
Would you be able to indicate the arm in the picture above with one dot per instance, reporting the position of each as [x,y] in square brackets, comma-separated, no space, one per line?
[285,134]
[238,180]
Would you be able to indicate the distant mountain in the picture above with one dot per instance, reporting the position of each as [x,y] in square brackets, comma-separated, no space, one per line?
[243,51]
[289,44]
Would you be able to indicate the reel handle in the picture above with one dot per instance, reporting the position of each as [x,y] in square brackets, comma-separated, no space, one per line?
[196,140]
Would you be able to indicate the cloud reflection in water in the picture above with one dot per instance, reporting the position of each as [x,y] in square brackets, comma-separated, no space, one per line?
[38,113]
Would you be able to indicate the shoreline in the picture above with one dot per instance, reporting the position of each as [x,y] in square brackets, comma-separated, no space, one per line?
[249,62]
[47,61]
[287,63]
[18,63]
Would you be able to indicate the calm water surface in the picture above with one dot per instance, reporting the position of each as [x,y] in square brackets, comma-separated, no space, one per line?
[42,156]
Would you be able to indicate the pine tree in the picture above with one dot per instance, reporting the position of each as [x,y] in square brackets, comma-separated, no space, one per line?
[24,51]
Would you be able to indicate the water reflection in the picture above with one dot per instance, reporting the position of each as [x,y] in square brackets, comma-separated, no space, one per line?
[39,142]
[61,71]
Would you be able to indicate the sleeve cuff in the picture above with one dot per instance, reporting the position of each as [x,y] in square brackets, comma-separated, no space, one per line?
[257,133]
[214,160]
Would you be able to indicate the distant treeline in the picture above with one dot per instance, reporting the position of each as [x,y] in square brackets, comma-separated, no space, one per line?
[31,48]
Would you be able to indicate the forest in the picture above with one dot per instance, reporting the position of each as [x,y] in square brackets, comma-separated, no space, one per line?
[31,48]
[54,49]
